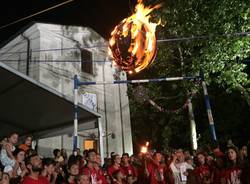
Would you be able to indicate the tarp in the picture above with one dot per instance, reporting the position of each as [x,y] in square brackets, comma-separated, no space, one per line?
[29,107]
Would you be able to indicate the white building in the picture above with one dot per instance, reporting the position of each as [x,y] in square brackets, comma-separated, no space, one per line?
[51,55]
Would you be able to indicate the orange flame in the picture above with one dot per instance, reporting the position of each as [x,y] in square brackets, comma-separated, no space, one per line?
[141,31]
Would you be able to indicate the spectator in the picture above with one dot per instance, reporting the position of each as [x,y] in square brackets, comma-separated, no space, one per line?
[203,171]
[5,179]
[19,170]
[48,172]
[34,165]
[26,146]
[116,164]
[154,169]
[233,170]
[6,155]
[118,177]
[83,179]
[73,172]
[179,167]
[128,169]
[245,176]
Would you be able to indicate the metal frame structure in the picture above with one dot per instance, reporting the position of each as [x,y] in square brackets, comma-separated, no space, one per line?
[78,83]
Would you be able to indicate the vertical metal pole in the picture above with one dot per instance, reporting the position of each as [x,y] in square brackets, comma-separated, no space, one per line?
[105,111]
[208,107]
[75,113]
[192,125]
[101,139]
[121,115]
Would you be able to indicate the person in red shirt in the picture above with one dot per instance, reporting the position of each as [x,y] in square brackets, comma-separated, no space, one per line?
[90,170]
[83,179]
[34,165]
[100,172]
[49,165]
[154,169]
[202,170]
[233,170]
[129,171]
[118,177]
[116,165]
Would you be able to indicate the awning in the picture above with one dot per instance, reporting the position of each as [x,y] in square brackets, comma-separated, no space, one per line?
[29,107]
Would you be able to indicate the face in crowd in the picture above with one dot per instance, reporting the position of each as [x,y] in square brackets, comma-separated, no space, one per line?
[232,155]
[28,141]
[35,164]
[13,138]
[117,159]
[92,157]
[83,179]
[201,159]
[20,156]
[74,169]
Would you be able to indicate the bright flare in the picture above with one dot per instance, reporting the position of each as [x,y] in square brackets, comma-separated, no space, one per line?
[133,42]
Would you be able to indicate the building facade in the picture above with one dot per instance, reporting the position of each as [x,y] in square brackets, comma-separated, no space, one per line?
[52,54]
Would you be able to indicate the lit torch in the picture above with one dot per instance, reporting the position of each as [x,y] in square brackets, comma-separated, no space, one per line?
[133,43]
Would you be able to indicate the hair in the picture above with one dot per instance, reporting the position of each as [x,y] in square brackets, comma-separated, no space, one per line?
[55,152]
[229,163]
[11,134]
[28,136]
[71,163]
[91,151]
[248,151]
[82,174]
[115,174]
[28,159]
[16,151]
[125,154]
[49,161]
[113,158]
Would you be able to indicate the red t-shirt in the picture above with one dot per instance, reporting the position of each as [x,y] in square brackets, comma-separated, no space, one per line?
[90,172]
[112,169]
[203,172]
[101,176]
[233,175]
[40,180]
[156,173]
[129,170]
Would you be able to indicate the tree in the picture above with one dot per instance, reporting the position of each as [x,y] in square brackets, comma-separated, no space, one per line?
[218,55]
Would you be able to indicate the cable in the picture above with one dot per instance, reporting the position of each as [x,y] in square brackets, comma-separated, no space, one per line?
[158,41]
[203,37]
[48,9]
[54,61]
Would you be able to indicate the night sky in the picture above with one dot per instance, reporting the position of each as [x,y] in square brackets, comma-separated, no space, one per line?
[101,15]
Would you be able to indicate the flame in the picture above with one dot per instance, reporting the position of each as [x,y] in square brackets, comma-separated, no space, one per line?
[142,47]
[144,149]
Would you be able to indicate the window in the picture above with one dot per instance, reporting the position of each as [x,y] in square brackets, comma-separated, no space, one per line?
[86,61]
[90,144]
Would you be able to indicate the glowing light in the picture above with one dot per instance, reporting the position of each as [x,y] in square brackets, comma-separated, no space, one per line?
[144,149]
[133,42]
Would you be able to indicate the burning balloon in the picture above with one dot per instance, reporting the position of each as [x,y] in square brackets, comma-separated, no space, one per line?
[133,43]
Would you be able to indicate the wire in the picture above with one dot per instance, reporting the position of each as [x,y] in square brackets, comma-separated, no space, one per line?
[203,37]
[55,61]
[32,15]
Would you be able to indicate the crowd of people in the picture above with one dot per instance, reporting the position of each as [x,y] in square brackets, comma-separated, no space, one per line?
[22,164]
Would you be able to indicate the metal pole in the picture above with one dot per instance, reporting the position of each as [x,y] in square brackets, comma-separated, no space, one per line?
[75,113]
[208,107]
[101,139]
[136,81]
[121,116]
[192,125]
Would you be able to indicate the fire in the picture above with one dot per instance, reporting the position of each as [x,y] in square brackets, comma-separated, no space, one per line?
[133,43]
